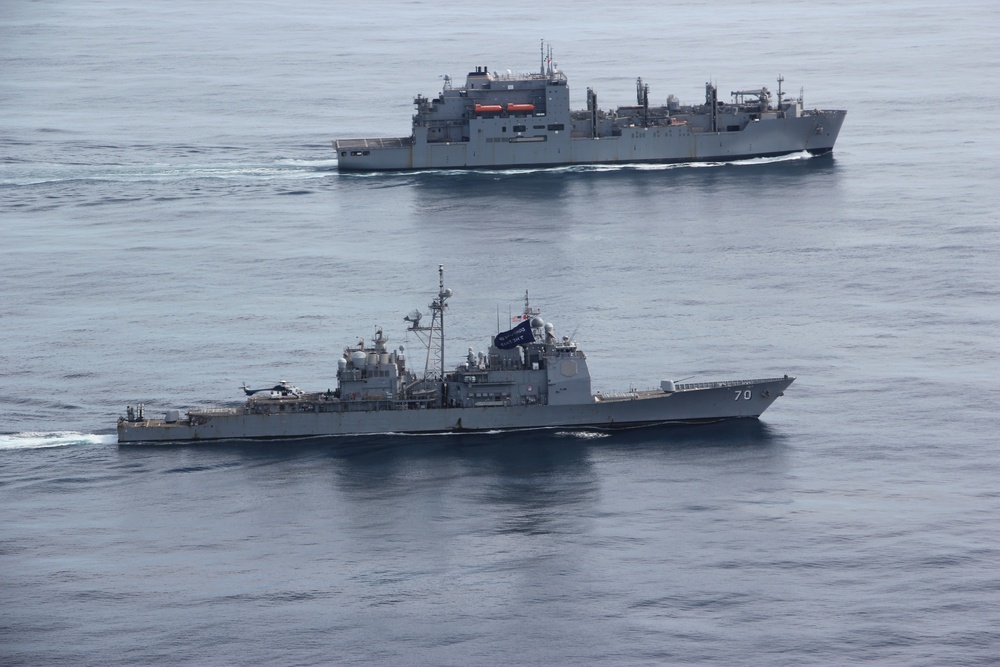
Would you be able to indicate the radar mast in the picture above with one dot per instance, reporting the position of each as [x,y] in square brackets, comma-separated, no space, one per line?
[432,335]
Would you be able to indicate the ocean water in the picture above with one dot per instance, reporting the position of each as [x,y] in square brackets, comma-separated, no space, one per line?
[172,225]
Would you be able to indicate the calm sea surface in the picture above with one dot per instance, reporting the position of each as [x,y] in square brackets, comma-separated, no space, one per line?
[172,225]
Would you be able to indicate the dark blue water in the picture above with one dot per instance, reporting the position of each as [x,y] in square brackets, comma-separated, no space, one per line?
[172,225]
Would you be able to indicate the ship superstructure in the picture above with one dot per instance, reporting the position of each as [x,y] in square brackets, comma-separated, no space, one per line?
[529,378]
[505,120]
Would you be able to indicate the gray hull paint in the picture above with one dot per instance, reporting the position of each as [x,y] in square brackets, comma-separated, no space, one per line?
[718,401]
[643,145]
[529,378]
[502,121]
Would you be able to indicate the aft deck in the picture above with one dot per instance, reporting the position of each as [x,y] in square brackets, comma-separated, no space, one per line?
[372,144]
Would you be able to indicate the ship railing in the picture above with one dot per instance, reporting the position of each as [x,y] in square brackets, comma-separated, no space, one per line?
[528,76]
[723,383]
[376,143]
[215,411]
[618,395]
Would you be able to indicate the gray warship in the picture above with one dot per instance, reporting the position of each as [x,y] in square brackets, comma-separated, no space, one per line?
[504,120]
[529,379]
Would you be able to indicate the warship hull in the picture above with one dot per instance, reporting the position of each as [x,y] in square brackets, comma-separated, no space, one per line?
[529,378]
[313,415]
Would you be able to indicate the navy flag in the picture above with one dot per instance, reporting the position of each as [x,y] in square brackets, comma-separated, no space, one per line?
[519,335]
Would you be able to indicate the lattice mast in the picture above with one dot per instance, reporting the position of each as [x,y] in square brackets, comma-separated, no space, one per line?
[432,335]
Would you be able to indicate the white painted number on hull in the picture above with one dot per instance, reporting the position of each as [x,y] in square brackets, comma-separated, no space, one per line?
[745,395]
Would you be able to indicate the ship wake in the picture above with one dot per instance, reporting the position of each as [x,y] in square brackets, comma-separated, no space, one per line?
[33,440]
[791,157]
[55,172]
[590,168]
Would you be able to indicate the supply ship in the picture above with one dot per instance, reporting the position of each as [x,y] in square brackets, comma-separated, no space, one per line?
[504,120]
[528,379]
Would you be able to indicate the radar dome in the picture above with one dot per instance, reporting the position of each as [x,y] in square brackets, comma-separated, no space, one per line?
[537,322]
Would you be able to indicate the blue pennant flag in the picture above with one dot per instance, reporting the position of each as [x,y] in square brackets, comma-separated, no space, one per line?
[519,335]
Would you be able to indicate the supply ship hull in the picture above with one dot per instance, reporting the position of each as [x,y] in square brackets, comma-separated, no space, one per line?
[517,121]
[528,379]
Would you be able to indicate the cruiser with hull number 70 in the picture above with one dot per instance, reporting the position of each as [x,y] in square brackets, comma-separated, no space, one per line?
[505,120]
[529,378]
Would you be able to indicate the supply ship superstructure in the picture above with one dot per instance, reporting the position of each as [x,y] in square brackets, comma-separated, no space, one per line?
[528,379]
[504,120]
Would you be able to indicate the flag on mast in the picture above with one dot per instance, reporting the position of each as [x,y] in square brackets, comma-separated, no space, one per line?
[519,335]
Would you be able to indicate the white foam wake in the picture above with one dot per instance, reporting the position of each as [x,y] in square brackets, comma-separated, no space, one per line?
[582,435]
[606,167]
[284,169]
[32,440]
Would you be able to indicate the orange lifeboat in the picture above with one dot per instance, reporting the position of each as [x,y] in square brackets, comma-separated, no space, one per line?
[488,108]
[520,108]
